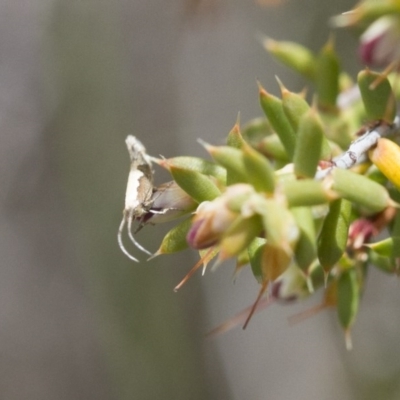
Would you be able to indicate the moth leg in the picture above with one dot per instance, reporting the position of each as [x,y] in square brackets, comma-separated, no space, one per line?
[120,243]
[134,241]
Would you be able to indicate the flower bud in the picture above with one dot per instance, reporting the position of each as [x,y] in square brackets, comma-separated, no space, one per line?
[360,232]
[213,218]
[239,236]
[379,44]
[386,156]
[365,12]
[290,286]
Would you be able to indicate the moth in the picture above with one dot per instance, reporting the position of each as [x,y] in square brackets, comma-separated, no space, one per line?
[139,193]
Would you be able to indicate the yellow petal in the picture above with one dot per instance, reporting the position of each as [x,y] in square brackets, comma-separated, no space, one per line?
[386,156]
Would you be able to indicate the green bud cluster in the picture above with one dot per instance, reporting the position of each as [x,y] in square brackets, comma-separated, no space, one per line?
[274,197]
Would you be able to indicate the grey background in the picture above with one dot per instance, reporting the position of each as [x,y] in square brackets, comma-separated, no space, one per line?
[77,319]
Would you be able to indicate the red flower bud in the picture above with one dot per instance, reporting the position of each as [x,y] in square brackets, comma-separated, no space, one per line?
[380,43]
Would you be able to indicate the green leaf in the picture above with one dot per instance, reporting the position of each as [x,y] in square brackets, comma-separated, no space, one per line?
[306,247]
[293,55]
[333,237]
[361,190]
[383,247]
[259,171]
[294,106]
[272,147]
[307,192]
[348,298]
[377,95]
[175,239]
[327,77]
[273,109]
[384,263]
[256,130]
[309,145]
[235,138]
[198,186]
[255,251]
[231,159]
[280,226]
[196,164]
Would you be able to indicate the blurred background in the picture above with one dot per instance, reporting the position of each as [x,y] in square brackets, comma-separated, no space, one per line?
[78,319]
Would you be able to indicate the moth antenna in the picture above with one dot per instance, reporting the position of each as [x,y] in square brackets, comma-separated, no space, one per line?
[121,245]
[134,241]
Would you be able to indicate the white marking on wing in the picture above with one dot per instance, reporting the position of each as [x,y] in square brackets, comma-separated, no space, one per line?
[132,188]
